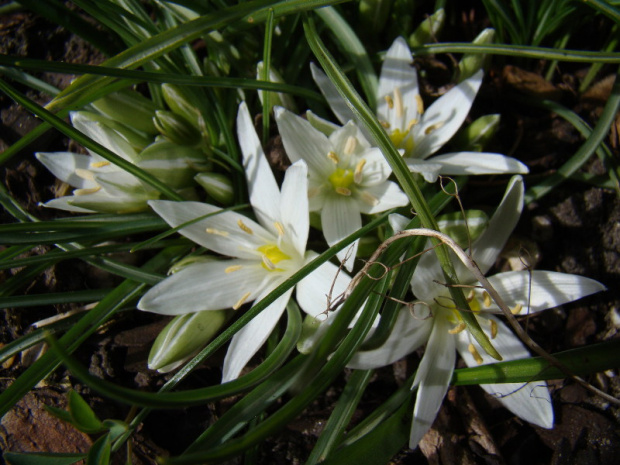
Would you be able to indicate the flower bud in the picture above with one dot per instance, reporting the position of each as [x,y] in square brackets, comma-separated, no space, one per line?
[183,337]
[472,62]
[176,128]
[218,186]
[478,134]
[463,230]
[178,101]
[428,29]
[275,98]
[129,108]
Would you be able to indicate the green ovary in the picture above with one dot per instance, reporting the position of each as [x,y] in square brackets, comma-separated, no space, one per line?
[341,179]
[398,136]
[272,255]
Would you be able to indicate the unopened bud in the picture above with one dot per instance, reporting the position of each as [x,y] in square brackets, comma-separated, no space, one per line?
[275,98]
[218,186]
[129,108]
[176,128]
[478,134]
[428,30]
[472,62]
[180,103]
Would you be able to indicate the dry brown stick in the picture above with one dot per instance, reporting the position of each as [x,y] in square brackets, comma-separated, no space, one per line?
[473,268]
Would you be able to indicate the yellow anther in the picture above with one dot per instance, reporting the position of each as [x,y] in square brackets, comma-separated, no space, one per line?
[433,127]
[343,191]
[385,124]
[357,174]
[475,354]
[99,164]
[458,328]
[390,101]
[92,190]
[493,329]
[279,228]
[419,103]
[369,199]
[350,145]
[516,309]
[245,228]
[233,268]
[398,103]
[486,299]
[470,296]
[333,157]
[411,124]
[85,174]
[217,232]
[241,301]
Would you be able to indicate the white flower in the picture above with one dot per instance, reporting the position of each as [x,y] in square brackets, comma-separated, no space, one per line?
[347,177]
[435,322]
[421,133]
[265,253]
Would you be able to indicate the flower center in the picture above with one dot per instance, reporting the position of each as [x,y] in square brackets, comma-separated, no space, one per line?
[272,255]
[342,179]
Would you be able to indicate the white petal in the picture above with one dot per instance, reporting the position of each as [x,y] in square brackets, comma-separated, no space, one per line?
[398,222]
[433,378]
[102,134]
[341,217]
[376,169]
[262,186]
[428,169]
[446,115]
[64,203]
[228,238]
[329,91]
[468,163]
[388,195]
[321,124]
[206,286]
[397,72]
[545,289]
[252,336]
[63,166]
[303,142]
[315,290]
[529,401]
[408,334]
[294,213]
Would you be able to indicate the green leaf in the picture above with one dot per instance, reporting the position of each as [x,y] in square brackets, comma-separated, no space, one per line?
[17,458]
[116,428]
[99,453]
[82,415]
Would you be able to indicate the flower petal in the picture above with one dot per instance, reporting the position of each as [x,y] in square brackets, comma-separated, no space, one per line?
[63,166]
[65,203]
[328,89]
[104,135]
[206,286]
[468,163]
[387,194]
[341,217]
[529,401]
[432,378]
[540,290]
[262,186]
[294,213]
[408,334]
[252,336]
[444,117]
[428,169]
[315,290]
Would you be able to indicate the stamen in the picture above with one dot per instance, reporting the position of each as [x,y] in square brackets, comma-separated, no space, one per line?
[279,227]
[85,174]
[369,198]
[343,191]
[475,354]
[99,164]
[458,328]
[516,309]
[470,296]
[245,228]
[357,175]
[268,263]
[390,102]
[241,301]
[333,157]
[92,190]
[433,127]
[233,268]
[486,299]
[493,329]
[350,145]
[385,124]
[419,103]
[217,232]
[411,124]
[398,101]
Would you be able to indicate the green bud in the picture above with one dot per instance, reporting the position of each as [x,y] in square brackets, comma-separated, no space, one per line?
[429,29]
[174,164]
[218,186]
[184,336]
[179,102]
[129,108]
[463,230]
[137,140]
[476,136]
[374,15]
[276,98]
[176,128]
[472,62]
[310,333]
